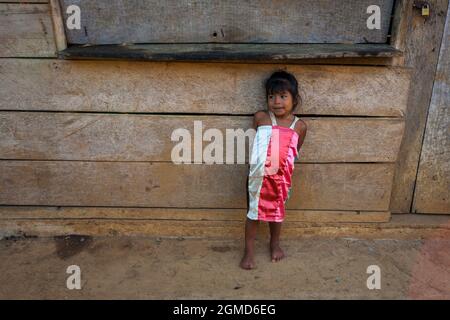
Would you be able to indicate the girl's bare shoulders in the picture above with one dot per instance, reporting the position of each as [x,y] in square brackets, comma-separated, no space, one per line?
[262,117]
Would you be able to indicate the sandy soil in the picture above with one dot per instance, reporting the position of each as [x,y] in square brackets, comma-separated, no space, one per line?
[155,268]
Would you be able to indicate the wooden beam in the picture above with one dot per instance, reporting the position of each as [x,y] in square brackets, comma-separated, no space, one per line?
[58,25]
[401,19]
[423,43]
[396,229]
[432,191]
[39,213]
[230,52]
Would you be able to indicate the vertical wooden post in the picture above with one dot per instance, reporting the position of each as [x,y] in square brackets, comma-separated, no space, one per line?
[58,25]
[422,43]
[432,194]
[402,16]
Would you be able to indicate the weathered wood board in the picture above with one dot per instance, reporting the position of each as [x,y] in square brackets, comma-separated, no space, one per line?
[112,137]
[236,89]
[233,21]
[432,192]
[354,186]
[423,40]
[186,214]
[399,228]
[212,229]
[58,25]
[403,10]
[26,30]
[236,52]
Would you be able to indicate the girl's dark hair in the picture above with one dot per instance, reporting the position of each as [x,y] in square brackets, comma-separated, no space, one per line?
[281,81]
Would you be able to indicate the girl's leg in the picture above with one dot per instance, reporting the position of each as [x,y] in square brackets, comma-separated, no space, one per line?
[275,251]
[251,226]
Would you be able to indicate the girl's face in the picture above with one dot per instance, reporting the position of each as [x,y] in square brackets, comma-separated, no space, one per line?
[281,104]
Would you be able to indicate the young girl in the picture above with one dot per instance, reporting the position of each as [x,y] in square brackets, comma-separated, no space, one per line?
[279,136]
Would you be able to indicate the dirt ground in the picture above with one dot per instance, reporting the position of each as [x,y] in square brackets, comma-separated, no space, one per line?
[168,268]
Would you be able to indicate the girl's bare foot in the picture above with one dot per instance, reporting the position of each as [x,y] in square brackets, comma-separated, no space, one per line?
[275,251]
[247,261]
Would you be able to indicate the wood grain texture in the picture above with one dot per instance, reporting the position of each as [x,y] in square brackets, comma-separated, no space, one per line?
[110,137]
[432,192]
[236,52]
[236,89]
[233,21]
[219,228]
[422,51]
[58,25]
[364,61]
[401,19]
[343,186]
[26,31]
[175,228]
[186,214]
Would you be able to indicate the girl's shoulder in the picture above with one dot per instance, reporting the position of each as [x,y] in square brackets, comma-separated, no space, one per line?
[300,127]
[261,114]
[261,117]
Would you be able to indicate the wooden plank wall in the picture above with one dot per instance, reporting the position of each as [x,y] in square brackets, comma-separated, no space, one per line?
[342,144]
[432,191]
[231,21]
[93,139]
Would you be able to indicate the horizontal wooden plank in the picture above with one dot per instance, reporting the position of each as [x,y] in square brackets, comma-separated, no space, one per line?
[365,61]
[26,30]
[232,21]
[112,137]
[25,212]
[122,86]
[217,229]
[149,184]
[230,52]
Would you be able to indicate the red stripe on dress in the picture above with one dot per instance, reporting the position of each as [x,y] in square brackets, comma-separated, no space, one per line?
[275,187]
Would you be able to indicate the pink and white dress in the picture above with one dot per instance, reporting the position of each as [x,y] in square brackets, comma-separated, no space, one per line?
[271,167]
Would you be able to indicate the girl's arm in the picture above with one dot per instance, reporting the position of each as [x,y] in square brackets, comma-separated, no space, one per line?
[255,121]
[258,118]
[301,129]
